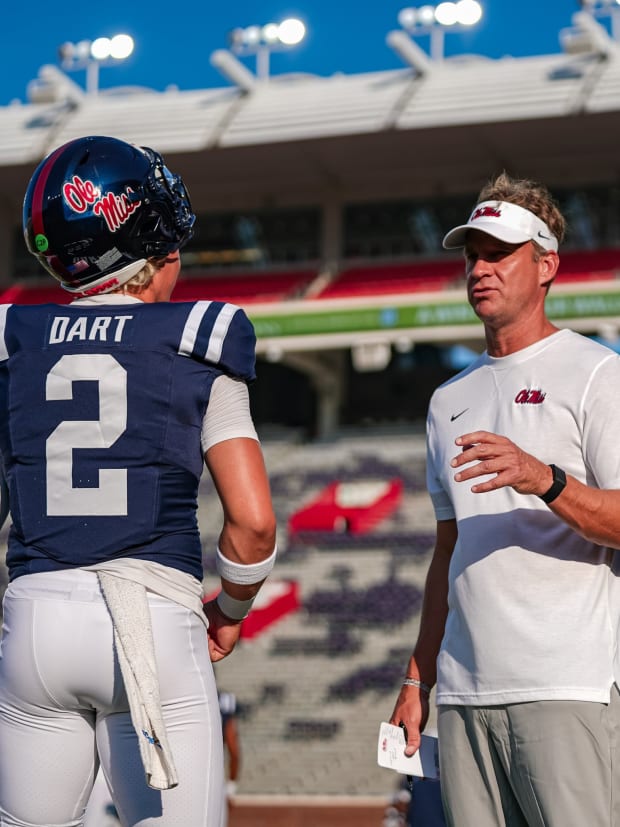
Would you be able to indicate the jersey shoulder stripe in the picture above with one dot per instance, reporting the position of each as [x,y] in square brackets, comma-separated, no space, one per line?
[205,330]
[192,325]
[220,333]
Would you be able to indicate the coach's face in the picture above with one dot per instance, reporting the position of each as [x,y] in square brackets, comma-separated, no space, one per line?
[506,282]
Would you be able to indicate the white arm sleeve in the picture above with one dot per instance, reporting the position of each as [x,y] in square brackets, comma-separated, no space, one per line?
[228,413]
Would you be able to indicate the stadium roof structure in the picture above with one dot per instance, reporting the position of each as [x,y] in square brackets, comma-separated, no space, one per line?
[429,129]
[432,127]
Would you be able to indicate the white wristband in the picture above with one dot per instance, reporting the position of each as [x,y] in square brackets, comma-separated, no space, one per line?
[244,575]
[233,608]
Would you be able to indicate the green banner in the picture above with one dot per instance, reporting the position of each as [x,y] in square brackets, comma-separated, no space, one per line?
[583,306]
[362,319]
[435,314]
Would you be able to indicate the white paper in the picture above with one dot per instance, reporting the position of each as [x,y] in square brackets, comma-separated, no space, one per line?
[391,753]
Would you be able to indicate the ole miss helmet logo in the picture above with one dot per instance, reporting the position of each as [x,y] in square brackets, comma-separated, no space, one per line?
[486,212]
[115,209]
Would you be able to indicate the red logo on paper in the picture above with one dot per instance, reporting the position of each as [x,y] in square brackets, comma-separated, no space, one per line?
[486,212]
[529,396]
[115,209]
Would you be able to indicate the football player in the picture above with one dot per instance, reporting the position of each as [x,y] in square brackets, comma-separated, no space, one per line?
[109,408]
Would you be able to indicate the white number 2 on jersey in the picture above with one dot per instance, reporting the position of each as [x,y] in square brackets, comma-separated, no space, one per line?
[110,497]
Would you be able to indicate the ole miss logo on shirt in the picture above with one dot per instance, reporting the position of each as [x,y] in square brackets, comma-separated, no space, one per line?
[530,396]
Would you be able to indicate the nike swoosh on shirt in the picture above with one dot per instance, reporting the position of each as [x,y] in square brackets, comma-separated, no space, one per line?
[456,416]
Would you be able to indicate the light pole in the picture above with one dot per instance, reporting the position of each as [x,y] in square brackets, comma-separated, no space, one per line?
[262,40]
[605,8]
[90,54]
[434,21]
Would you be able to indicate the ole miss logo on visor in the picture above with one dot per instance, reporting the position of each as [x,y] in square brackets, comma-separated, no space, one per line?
[486,212]
[115,209]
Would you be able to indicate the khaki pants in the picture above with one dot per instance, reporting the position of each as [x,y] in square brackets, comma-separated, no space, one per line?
[539,764]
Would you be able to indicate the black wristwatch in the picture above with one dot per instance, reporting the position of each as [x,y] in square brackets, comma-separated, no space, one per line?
[558,485]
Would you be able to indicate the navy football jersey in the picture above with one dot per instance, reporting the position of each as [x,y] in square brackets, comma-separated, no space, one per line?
[228,706]
[101,408]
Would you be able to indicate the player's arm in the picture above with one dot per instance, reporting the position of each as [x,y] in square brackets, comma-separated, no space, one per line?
[247,543]
[412,704]
[249,531]
[246,552]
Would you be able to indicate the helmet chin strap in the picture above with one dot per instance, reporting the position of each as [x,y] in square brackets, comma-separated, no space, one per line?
[108,282]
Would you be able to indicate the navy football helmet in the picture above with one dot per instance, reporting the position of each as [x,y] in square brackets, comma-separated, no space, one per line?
[97,208]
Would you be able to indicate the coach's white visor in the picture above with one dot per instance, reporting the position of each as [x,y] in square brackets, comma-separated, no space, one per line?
[505,221]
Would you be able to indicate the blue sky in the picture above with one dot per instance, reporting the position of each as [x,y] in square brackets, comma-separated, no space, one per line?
[175,40]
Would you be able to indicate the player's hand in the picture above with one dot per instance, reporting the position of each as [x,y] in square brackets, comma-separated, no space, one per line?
[411,711]
[494,454]
[223,633]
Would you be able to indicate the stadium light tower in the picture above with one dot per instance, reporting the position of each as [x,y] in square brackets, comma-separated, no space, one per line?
[436,20]
[262,40]
[605,8]
[90,54]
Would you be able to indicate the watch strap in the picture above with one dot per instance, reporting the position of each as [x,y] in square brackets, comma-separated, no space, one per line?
[557,486]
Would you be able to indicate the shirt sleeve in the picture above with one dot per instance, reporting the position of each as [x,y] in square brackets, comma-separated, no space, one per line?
[228,413]
[600,446]
[442,504]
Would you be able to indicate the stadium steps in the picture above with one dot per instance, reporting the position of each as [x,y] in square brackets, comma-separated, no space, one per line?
[345,763]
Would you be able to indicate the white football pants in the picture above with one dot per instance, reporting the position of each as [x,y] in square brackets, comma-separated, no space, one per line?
[63,708]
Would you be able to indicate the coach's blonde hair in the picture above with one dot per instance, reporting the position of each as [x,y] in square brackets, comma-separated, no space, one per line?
[531,196]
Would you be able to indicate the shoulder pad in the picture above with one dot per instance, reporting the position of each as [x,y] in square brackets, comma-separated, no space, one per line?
[222,335]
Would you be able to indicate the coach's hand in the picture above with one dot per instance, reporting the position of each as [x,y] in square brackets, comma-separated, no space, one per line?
[223,632]
[411,711]
[484,453]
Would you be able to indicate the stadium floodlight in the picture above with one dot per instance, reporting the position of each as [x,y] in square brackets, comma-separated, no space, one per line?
[291,31]
[435,20]
[90,54]
[605,8]
[262,40]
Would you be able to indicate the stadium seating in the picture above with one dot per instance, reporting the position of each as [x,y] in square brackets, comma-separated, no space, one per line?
[591,265]
[26,293]
[328,673]
[302,729]
[379,279]
[244,288]
[238,288]
[264,286]
[353,507]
